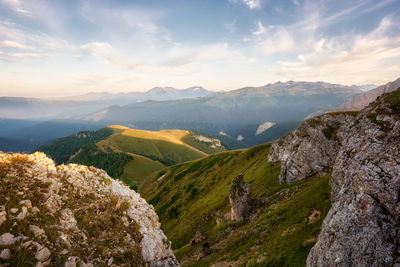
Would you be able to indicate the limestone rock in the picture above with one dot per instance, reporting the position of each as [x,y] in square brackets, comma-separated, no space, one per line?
[36,230]
[7,239]
[70,262]
[22,214]
[27,203]
[240,198]
[362,227]
[5,254]
[311,148]
[76,203]
[42,254]
[3,217]
[14,210]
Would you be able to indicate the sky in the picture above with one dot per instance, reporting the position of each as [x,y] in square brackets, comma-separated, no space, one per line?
[59,48]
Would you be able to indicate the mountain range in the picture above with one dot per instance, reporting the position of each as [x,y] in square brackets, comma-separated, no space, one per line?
[52,108]
[362,100]
[237,114]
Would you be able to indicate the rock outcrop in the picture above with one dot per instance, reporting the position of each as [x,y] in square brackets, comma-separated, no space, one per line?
[311,148]
[362,227]
[363,150]
[73,215]
[240,198]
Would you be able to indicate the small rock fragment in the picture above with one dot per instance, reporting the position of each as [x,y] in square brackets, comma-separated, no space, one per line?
[42,254]
[27,203]
[3,217]
[22,214]
[70,262]
[6,239]
[5,254]
[14,210]
[37,231]
[35,210]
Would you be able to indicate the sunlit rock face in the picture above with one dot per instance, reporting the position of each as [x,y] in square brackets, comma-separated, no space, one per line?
[73,214]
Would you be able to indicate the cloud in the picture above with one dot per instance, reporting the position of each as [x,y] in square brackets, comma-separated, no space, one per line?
[103,50]
[16,6]
[252,4]
[16,45]
[359,58]
[135,23]
[180,56]
[25,55]
[274,39]
[40,40]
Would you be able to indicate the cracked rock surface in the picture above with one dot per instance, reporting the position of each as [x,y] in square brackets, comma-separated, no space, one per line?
[71,215]
[363,151]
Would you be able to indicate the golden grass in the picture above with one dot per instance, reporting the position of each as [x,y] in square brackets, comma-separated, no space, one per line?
[172,136]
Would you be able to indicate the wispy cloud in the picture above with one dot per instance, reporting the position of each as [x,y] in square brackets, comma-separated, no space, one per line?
[349,57]
[274,39]
[103,50]
[179,56]
[16,6]
[25,55]
[20,39]
[252,4]
[16,45]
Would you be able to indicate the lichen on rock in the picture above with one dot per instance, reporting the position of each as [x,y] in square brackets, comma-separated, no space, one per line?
[68,214]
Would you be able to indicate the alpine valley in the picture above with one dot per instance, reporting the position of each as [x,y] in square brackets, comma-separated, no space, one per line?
[328,187]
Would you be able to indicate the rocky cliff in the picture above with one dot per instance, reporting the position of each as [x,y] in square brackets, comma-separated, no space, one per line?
[73,215]
[311,148]
[362,227]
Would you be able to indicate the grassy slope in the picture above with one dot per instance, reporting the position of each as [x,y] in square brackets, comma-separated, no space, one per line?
[152,151]
[194,195]
[139,169]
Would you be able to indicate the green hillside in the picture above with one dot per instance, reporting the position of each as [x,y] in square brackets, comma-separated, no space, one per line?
[62,149]
[194,195]
[129,154]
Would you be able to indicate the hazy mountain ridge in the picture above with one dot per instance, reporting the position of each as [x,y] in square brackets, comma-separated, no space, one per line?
[360,101]
[51,108]
[156,93]
[228,112]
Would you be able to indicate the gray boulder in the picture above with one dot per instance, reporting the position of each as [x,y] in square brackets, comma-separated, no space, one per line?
[240,198]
